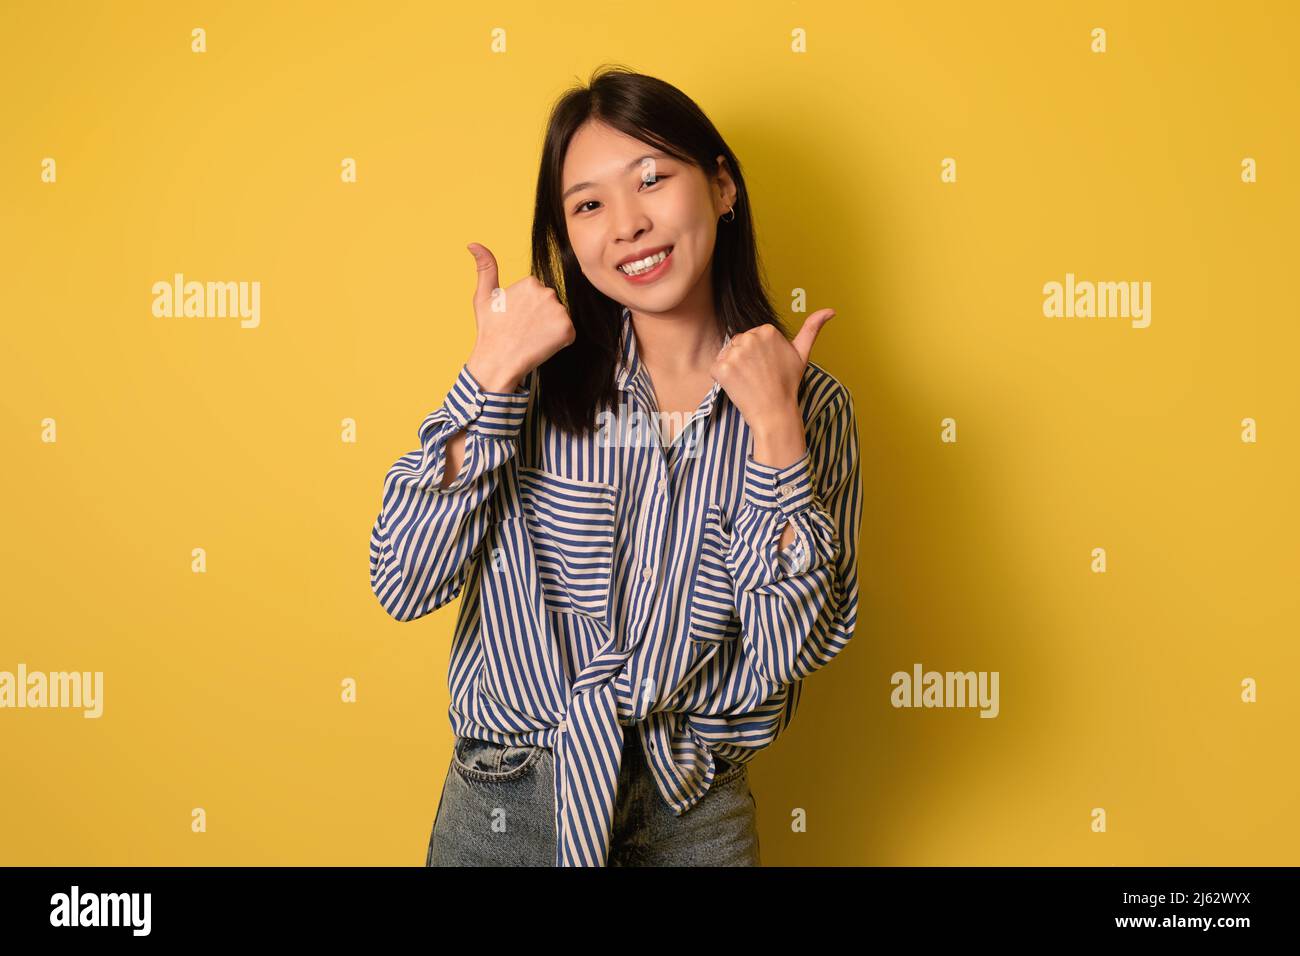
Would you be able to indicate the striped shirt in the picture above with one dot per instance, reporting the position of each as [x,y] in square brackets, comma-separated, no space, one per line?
[612,581]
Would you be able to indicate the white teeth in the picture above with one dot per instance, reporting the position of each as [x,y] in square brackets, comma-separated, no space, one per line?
[644,265]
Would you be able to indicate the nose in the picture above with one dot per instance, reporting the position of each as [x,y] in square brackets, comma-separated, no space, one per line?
[631,221]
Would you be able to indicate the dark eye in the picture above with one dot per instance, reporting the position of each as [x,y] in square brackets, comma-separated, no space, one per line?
[652,181]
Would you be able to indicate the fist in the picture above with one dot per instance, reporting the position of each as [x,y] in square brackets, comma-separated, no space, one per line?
[517,328]
[760,371]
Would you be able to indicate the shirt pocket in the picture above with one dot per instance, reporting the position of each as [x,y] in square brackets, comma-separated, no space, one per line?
[712,614]
[571,524]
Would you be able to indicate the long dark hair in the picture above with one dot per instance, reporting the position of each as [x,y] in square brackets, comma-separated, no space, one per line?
[578,380]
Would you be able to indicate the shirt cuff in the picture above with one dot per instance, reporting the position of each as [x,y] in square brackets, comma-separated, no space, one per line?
[788,489]
[494,414]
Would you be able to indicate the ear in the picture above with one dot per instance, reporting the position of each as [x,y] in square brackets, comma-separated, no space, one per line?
[727,184]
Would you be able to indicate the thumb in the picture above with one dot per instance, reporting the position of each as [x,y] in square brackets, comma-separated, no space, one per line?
[803,342]
[487,272]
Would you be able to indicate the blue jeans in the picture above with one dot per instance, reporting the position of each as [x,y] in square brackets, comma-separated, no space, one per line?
[498,809]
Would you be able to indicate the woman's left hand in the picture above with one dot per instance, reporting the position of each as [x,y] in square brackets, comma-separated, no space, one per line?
[760,372]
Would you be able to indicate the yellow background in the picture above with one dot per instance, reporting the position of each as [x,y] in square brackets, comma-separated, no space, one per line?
[222,690]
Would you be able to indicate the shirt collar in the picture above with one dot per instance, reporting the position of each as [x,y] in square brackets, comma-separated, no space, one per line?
[629,366]
[630,370]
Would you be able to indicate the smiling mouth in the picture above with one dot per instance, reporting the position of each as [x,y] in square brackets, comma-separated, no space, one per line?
[641,267]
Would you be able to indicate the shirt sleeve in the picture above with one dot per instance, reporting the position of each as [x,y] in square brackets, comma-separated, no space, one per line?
[425,537]
[798,607]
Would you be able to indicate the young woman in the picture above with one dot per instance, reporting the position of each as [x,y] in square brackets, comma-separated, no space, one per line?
[647,498]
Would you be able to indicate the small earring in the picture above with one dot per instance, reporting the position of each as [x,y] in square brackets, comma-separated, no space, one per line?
[732,210]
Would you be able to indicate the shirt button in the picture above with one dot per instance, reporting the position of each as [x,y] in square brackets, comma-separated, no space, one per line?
[785,491]
[563,726]
[647,573]
[663,487]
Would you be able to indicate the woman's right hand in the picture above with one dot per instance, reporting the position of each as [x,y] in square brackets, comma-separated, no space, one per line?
[530,327]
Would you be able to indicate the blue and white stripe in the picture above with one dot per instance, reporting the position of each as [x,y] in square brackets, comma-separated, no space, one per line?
[608,584]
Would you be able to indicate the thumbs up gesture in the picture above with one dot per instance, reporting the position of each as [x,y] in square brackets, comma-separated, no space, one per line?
[519,327]
[760,372]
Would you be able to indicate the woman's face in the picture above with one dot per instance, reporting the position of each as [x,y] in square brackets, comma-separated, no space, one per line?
[624,198]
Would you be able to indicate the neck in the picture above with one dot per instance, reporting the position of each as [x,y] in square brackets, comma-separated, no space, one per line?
[681,341]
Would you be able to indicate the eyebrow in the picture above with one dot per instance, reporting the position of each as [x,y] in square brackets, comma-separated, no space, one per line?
[630,166]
